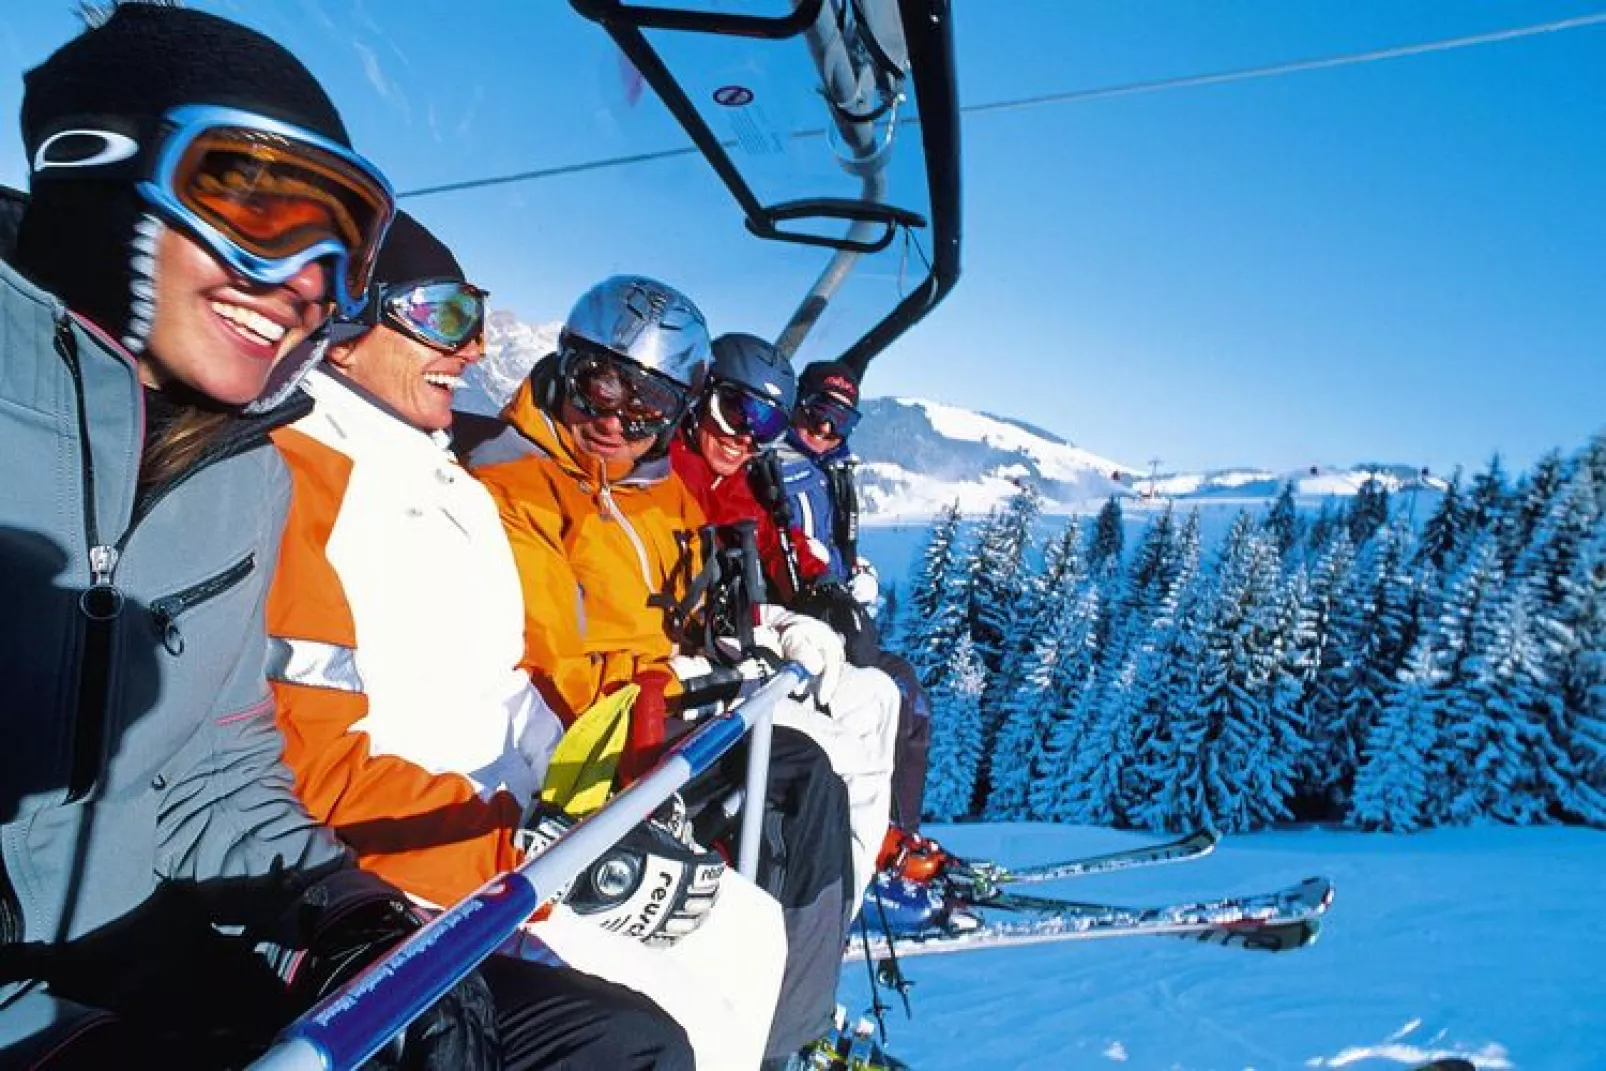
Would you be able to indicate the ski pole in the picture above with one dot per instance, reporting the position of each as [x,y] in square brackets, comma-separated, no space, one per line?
[354,1022]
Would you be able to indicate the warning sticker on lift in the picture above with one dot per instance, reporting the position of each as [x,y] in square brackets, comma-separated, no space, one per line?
[755,133]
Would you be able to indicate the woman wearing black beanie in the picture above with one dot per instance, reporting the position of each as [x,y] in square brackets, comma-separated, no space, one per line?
[195,213]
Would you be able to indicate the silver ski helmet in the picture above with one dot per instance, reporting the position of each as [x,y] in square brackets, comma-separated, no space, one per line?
[646,329]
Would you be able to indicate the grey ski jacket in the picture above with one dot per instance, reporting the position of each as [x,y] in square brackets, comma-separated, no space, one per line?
[137,740]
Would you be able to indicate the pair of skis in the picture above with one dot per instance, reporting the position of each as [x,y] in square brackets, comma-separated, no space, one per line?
[1277,921]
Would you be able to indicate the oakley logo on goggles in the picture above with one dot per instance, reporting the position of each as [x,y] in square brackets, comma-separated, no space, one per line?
[268,198]
[602,384]
[825,414]
[441,313]
[735,412]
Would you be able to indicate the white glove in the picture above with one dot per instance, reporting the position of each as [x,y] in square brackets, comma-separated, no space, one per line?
[812,644]
[707,688]
[865,585]
[689,667]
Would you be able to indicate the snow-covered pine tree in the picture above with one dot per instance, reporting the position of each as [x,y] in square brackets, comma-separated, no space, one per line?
[1368,510]
[1282,520]
[1030,709]
[1377,628]
[1496,716]
[1532,499]
[999,573]
[1025,710]
[1108,538]
[1153,569]
[1131,604]
[1462,603]
[1575,766]
[1391,787]
[955,734]
[1002,614]
[1061,738]
[1563,568]
[1230,756]
[938,599]
[1488,505]
[1315,660]
[1328,519]
[1445,530]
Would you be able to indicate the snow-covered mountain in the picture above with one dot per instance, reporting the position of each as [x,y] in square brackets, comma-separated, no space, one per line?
[917,456]
[511,349]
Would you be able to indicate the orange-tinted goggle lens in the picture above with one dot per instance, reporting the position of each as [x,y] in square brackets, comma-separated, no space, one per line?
[277,197]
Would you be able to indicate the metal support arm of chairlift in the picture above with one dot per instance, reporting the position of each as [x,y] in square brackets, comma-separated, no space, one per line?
[856,93]
[351,1024]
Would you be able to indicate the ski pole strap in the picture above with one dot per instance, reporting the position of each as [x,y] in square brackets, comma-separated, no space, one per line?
[752,588]
[355,1021]
[844,510]
[769,487]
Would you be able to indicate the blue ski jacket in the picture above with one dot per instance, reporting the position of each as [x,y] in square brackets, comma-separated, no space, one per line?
[808,490]
[140,752]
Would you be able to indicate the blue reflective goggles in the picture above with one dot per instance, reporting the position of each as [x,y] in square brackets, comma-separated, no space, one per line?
[442,313]
[736,411]
[268,198]
[825,415]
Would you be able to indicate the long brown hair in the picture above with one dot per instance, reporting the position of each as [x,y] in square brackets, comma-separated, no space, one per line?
[180,444]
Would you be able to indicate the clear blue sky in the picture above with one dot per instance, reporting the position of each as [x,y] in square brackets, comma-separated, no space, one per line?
[1402,260]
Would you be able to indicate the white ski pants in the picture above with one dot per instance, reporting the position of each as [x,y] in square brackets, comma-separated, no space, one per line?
[859,734]
[720,982]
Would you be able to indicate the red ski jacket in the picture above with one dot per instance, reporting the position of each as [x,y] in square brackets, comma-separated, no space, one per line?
[729,499]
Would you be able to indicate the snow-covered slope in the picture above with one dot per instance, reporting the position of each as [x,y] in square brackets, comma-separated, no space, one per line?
[1480,943]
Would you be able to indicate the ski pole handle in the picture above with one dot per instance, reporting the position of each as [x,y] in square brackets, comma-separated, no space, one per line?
[354,1022]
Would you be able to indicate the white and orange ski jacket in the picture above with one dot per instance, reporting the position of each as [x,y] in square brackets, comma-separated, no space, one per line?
[421,747]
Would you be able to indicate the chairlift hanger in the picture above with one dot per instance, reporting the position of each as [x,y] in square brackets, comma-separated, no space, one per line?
[872,224]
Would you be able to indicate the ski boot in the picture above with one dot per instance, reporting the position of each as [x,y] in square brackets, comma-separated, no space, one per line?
[898,906]
[912,856]
[844,1050]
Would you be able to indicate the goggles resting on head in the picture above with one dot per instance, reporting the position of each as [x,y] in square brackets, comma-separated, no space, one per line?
[600,383]
[444,314]
[268,198]
[736,411]
[820,410]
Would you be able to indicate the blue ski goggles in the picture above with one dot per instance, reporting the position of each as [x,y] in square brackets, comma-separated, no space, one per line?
[445,314]
[826,415]
[268,198]
[736,411]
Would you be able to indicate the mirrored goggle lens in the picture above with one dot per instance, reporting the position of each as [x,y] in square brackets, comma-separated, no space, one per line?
[444,314]
[736,412]
[607,386]
[276,197]
[819,412]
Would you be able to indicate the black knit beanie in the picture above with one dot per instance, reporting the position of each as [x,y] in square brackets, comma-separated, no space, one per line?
[87,235]
[411,252]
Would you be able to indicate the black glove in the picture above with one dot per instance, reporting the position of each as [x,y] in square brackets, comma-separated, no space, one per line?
[351,918]
[656,885]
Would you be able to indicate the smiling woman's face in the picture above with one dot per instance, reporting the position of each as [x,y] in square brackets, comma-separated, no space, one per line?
[218,334]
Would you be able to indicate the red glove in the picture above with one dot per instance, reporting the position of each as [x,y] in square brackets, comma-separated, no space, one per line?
[645,740]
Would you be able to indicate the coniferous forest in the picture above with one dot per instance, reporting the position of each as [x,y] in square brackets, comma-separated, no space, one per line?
[1353,665]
